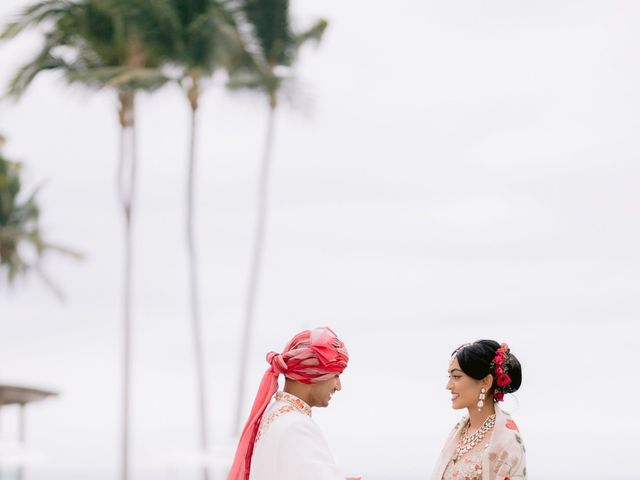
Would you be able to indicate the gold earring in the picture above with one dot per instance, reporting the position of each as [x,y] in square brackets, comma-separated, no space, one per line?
[481,398]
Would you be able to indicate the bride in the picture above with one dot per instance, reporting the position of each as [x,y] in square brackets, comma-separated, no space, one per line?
[486,443]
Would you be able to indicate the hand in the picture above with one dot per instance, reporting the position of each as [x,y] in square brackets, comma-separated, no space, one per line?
[354,478]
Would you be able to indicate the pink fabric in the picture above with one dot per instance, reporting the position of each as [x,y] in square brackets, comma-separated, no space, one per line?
[311,356]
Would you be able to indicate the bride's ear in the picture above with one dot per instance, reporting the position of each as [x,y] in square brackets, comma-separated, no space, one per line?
[487,381]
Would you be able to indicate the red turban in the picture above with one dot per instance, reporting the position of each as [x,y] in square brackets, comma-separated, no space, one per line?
[311,356]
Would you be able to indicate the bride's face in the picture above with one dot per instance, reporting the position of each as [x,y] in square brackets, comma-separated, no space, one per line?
[464,389]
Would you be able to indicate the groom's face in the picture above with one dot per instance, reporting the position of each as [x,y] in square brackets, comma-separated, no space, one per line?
[321,392]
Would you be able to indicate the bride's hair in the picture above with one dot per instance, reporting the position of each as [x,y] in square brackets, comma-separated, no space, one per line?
[476,360]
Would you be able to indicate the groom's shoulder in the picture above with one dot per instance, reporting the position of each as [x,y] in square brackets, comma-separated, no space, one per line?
[282,418]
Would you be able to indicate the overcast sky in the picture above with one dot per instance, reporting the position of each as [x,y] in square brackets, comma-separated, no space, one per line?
[445,171]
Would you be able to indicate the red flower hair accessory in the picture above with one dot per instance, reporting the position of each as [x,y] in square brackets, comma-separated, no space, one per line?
[500,370]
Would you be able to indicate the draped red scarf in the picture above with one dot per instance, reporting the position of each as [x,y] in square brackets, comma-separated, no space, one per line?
[311,356]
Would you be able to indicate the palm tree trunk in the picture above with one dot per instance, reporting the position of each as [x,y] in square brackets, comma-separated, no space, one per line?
[196,321]
[126,190]
[256,263]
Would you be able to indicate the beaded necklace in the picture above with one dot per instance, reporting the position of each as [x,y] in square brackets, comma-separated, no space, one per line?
[467,442]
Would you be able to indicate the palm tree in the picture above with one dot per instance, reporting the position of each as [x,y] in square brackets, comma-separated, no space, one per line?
[20,228]
[196,37]
[207,43]
[272,47]
[96,43]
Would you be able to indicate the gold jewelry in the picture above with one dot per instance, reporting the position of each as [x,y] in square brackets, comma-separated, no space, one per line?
[481,398]
[467,442]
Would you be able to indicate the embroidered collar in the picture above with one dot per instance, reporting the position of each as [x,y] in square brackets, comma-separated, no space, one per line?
[294,401]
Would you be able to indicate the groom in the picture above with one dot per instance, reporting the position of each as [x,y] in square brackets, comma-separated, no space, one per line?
[282,442]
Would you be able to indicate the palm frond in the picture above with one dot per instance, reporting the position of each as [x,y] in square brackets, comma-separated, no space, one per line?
[69,252]
[251,83]
[270,44]
[123,78]
[269,20]
[34,15]
[314,33]
[48,281]
[22,246]
[25,75]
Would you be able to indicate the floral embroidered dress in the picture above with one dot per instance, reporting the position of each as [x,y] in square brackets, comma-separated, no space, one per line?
[469,467]
[290,446]
[502,458]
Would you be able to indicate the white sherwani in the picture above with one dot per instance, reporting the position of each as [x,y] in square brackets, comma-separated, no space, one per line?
[290,446]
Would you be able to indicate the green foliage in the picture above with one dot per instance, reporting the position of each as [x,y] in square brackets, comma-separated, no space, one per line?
[192,37]
[97,43]
[271,47]
[197,34]
[129,44]
[132,45]
[270,21]
[21,243]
